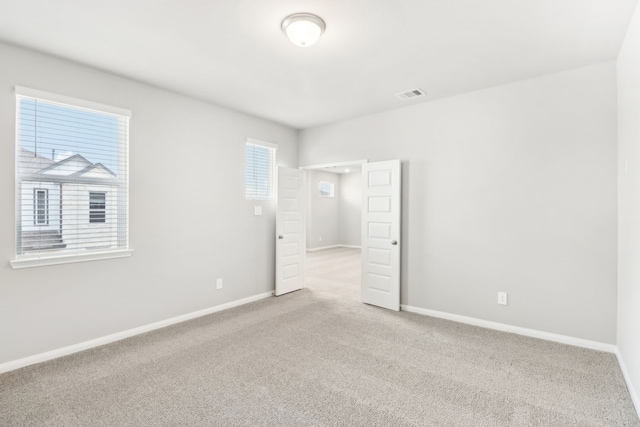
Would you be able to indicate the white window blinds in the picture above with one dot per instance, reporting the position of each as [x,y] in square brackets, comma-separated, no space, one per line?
[260,170]
[72,190]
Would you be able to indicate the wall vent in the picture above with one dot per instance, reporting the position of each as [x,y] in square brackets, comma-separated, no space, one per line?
[411,94]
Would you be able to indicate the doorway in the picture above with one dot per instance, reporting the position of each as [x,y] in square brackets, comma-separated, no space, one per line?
[334,273]
[380,229]
[333,229]
[334,207]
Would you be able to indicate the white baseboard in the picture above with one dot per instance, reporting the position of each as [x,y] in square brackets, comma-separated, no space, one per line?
[322,248]
[564,339]
[627,379]
[53,354]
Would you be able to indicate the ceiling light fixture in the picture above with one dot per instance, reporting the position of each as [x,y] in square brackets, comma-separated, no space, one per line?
[303,29]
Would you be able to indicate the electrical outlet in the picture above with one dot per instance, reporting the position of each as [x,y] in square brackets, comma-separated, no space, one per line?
[502,298]
[257,210]
[219,284]
[320,239]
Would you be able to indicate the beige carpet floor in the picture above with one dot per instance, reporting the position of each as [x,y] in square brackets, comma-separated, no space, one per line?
[318,357]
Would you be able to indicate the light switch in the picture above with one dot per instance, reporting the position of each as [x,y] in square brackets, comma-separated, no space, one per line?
[257,210]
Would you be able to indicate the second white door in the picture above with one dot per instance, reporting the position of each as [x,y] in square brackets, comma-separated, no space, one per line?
[381,190]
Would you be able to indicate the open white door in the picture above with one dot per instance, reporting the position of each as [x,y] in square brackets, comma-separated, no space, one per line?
[381,234]
[290,230]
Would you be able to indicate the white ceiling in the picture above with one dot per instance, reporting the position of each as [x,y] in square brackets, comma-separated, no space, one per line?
[233,53]
[341,169]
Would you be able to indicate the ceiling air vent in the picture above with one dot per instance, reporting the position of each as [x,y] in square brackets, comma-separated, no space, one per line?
[410,94]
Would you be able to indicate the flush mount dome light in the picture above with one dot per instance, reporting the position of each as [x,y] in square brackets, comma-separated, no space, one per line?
[303,29]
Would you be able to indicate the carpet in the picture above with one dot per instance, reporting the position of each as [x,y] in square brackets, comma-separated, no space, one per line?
[319,357]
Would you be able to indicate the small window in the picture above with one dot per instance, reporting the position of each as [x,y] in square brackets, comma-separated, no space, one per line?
[325,189]
[40,206]
[260,170]
[97,207]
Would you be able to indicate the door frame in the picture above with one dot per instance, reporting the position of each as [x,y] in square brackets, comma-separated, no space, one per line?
[334,164]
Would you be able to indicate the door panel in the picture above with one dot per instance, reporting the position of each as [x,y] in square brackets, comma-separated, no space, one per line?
[381,190]
[290,231]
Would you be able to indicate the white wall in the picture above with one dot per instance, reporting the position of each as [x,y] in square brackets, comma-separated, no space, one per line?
[350,208]
[323,220]
[189,221]
[511,188]
[629,204]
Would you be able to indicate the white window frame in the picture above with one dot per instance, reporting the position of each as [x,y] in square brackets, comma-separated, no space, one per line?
[26,261]
[36,206]
[272,168]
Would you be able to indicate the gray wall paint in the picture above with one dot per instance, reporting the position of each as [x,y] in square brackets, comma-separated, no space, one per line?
[511,188]
[323,212]
[629,202]
[189,220]
[350,208]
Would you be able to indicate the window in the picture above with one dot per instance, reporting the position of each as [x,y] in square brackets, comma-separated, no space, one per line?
[40,206]
[97,207]
[260,170]
[325,189]
[72,187]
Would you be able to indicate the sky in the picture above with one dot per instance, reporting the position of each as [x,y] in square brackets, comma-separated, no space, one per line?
[56,132]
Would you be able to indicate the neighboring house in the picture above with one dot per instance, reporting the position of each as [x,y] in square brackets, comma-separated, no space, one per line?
[66,205]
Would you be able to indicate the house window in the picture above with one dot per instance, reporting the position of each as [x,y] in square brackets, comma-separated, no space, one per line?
[97,207]
[325,189]
[40,206]
[260,170]
[71,154]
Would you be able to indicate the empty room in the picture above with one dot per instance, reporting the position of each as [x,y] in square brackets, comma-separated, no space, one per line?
[320,213]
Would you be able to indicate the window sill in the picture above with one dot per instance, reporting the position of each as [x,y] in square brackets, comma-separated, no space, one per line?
[67,259]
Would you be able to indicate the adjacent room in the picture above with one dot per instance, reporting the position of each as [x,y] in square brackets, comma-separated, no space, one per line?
[320,213]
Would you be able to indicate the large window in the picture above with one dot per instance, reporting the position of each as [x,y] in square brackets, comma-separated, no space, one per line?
[260,170]
[71,179]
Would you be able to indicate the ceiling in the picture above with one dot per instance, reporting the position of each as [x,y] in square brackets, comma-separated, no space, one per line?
[354,168]
[232,52]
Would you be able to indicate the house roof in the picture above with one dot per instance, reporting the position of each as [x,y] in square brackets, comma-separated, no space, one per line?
[31,162]
[59,164]
[42,168]
[94,167]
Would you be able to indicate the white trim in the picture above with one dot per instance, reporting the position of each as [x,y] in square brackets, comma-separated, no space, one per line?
[17,264]
[68,100]
[262,143]
[322,248]
[338,164]
[332,247]
[54,354]
[632,391]
[564,339]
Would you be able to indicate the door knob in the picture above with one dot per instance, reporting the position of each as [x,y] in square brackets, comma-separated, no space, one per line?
[281,237]
[394,242]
